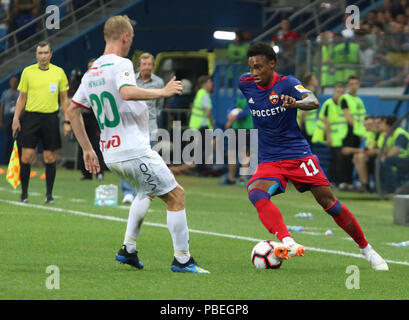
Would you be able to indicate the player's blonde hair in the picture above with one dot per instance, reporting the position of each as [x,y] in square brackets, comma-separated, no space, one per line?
[116,26]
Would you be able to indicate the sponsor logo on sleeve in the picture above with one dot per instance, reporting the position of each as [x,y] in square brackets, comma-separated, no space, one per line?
[126,75]
[301,89]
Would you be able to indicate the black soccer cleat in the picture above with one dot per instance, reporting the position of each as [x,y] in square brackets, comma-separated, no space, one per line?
[49,199]
[24,198]
[132,259]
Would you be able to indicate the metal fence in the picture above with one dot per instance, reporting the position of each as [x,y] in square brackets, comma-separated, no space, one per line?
[38,28]
[379,60]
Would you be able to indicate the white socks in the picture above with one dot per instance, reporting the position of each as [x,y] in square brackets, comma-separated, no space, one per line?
[365,251]
[177,225]
[137,213]
[288,241]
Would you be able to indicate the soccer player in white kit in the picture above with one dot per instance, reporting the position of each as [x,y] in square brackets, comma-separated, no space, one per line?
[109,89]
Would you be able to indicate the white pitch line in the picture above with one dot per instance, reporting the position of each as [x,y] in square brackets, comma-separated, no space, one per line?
[160,225]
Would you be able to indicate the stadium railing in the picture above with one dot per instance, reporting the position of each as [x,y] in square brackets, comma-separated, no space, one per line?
[313,18]
[23,39]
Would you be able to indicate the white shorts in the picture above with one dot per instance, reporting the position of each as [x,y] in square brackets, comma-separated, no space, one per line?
[149,174]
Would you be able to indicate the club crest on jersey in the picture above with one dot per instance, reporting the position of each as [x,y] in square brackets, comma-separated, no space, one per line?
[274,97]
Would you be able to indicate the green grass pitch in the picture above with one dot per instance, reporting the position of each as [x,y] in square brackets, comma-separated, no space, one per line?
[82,240]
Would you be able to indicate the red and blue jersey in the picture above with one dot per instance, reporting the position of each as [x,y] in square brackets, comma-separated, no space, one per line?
[279,136]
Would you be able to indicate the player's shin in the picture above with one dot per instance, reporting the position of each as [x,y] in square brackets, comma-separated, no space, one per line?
[269,213]
[50,172]
[346,220]
[137,213]
[25,170]
[177,225]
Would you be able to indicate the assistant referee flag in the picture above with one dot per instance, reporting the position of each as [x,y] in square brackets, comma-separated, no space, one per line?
[13,170]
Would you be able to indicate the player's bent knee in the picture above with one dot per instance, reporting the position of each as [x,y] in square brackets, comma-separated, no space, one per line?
[175,199]
[255,195]
[334,209]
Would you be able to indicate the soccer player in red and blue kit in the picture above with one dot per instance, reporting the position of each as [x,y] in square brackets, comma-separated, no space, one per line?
[284,154]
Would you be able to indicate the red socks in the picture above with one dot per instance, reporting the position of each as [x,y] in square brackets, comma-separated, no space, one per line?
[272,218]
[346,220]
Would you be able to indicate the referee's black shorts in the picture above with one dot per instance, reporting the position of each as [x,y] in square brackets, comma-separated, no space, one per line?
[36,126]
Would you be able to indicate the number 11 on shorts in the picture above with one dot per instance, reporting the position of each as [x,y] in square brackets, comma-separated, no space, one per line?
[311,164]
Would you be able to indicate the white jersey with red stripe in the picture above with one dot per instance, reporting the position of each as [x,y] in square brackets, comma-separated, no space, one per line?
[124,124]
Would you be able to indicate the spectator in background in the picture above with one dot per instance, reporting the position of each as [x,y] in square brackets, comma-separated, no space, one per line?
[355,113]
[239,117]
[286,39]
[4,21]
[285,34]
[388,17]
[377,29]
[406,38]
[395,157]
[402,19]
[236,51]
[371,18]
[307,119]
[331,130]
[91,127]
[364,159]
[369,70]
[8,103]
[145,78]
[24,12]
[387,6]
[346,57]
[201,116]
[380,18]
[326,39]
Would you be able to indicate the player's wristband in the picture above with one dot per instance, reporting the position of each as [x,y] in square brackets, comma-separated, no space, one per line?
[67,122]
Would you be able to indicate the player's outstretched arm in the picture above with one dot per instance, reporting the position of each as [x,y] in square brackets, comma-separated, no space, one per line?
[77,124]
[308,102]
[135,93]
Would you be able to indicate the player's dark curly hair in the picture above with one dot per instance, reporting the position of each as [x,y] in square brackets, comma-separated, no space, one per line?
[262,49]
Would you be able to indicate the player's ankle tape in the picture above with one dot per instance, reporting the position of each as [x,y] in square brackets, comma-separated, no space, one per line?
[257,194]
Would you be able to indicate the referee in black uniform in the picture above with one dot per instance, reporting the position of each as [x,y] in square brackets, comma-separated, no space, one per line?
[41,85]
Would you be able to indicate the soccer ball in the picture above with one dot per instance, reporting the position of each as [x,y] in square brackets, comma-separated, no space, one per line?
[263,256]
